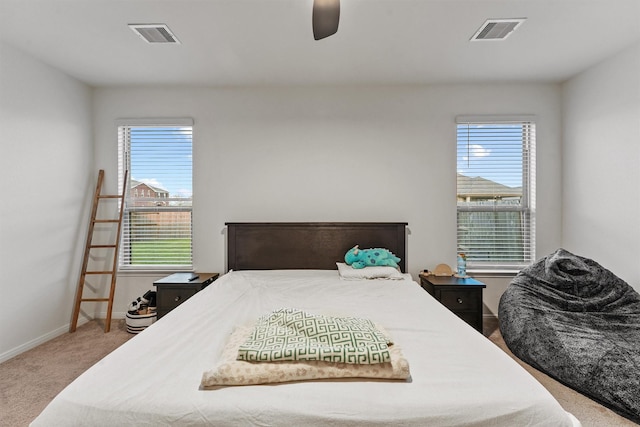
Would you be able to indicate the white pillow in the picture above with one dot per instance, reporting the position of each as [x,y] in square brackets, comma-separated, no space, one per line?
[383,272]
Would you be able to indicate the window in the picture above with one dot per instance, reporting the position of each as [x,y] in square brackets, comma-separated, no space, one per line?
[157,232]
[496,192]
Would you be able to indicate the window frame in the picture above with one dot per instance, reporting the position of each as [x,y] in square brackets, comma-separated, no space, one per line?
[124,159]
[527,203]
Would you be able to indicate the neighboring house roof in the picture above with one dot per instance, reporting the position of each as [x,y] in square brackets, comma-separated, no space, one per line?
[135,184]
[481,187]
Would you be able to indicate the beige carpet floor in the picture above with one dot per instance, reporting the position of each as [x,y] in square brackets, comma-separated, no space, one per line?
[30,380]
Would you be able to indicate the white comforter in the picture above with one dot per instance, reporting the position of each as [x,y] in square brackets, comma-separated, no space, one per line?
[458,377]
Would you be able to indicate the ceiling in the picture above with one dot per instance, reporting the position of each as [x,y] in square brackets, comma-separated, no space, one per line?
[270,42]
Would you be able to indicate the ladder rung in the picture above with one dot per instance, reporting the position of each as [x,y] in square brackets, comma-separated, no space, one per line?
[94,299]
[98,272]
[106,220]
[102,246]
[110,196]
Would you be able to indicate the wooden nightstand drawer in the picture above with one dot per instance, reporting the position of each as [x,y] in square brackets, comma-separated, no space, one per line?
[170,298]
[471,317]
[460,300]
[463,296]
[175,289]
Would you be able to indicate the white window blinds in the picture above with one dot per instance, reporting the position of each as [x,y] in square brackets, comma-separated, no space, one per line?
[157,223]
[496,193]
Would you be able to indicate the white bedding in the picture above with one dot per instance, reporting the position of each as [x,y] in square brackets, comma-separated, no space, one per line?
[458,377]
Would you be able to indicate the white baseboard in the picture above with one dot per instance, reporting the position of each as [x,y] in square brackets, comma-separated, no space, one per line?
[51,335]
[114,316]
[37,341]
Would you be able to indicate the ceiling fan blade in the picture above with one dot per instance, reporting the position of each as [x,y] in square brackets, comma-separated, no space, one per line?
[326,16]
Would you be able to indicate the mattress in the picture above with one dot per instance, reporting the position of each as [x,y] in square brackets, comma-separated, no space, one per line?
[458,377]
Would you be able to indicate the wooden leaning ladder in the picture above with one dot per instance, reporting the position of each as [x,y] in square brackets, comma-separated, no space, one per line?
[89,246]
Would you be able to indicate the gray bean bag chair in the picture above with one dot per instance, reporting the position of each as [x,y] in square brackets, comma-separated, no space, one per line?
[574,320]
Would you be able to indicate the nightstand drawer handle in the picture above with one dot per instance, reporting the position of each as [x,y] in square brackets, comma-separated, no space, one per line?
[459,300]
[178,298]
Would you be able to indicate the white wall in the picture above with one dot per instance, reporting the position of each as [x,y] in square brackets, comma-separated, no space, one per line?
[332,154]
[303,154]
[46,163]
[601,158]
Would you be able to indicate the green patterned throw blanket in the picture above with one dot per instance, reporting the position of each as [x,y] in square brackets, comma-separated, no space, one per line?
[291,334]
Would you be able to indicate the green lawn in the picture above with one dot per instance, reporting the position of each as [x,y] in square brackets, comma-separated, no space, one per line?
[163,252]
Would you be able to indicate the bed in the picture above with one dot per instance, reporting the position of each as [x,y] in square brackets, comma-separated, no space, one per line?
[457,376]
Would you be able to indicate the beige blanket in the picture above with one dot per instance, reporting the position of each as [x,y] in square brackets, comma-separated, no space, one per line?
[237,372]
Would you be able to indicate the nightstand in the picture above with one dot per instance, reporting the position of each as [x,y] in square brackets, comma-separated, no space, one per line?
[173,290]
[463,296]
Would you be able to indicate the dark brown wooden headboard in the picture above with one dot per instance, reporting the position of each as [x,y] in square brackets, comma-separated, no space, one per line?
[308,245]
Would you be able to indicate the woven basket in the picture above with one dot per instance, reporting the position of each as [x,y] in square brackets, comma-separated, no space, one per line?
[137,323]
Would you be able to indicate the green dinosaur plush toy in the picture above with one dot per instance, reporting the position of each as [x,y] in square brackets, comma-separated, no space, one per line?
[361,258]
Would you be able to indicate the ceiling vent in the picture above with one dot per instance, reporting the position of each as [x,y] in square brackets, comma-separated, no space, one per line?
[154,33]
[497,29]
